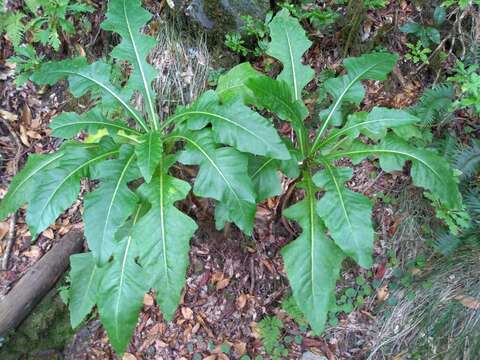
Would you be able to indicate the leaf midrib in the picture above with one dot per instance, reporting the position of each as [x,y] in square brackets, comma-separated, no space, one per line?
[114,195]
[385,151]
[221,117]
[59,155]
[230,187]
[77,169]
[122,272]
[140,67]
[96,122]
[338,102]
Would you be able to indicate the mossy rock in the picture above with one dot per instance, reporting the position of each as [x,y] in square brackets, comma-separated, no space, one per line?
[43,334]
[219,17]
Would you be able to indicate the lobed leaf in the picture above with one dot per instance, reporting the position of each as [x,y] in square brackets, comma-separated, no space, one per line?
[127,18]
[347,88]
[277,97]
[69,124]
[162,238]
[84,78]
[23,185]
[121,290]
[232,85]
[109,206]
[85,278]
[223,176]
[428,169]
[59,187]
[237,125]
[288,45]
[312,261]
[374,124]
[149,153]
[347,214]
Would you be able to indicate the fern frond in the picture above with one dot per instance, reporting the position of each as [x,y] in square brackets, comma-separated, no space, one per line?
[467,159]
[270,329]
[12,24]
[446,243]
[433,105]
[472,203]
[447,148]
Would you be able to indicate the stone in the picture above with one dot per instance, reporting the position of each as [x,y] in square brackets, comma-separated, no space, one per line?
[222,16]
[311,356]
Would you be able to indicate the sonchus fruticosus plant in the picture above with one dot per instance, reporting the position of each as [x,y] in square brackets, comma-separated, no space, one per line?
[338,224]
[139,239]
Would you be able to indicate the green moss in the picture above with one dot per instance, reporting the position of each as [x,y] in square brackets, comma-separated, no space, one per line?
[43,334]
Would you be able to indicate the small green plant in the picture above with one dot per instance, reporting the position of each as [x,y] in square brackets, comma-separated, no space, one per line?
[235,43]
[427,35]
[462,4]
[467,80]
[375,4]
[455,219]
[289,305]
[50,18]
[418,53]
[318,17]
[27,62]
[270,329]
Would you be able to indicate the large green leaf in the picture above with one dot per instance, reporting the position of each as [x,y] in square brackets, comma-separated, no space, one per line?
[347,214]
[107,208]
[312,261]
[237,125]
[347,88]
[223,176]
[22,188]
[85,277]
[428,169]
[69,124]
[149,153]
[121,290]
[288,45]
[84,77]
[276,96]
[263,172]
[231,86]
[59,187]
[162,236]
[373,124]
[127,18]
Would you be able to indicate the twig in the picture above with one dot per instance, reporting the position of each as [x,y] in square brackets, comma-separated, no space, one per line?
[13,218]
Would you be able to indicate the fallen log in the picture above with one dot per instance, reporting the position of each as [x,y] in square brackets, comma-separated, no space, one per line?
[36,283]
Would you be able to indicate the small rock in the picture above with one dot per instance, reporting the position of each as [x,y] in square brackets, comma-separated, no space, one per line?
[311,356]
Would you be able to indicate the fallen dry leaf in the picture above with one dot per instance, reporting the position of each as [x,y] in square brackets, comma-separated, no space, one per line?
[241,301]
[4,226]
[222,284]
[24,136]
[187,313]
[26,115]
[7,115]
[148,300]
[468,301]
[35,252]
[382,293]
[128,356]
[49,234]
[210,357]
[240,348]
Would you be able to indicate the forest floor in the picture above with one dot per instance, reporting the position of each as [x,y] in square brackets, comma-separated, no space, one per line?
[234,281]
